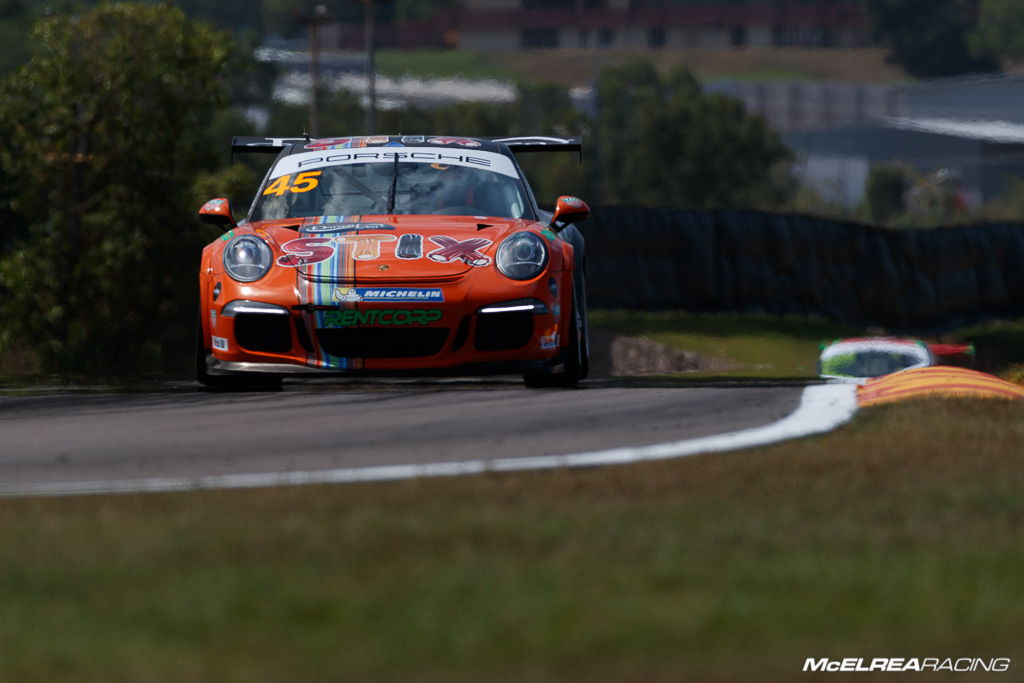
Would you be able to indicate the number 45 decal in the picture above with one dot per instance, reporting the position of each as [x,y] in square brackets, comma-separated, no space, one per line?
[304,182]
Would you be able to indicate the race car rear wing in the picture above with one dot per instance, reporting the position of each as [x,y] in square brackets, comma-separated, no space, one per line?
[529,143]
[248,144]
[538,143]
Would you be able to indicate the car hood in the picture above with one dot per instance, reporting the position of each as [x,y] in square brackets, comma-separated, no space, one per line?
[388,248]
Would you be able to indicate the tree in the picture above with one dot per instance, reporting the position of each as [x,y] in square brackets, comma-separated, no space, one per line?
[1000,29]
[15,20]
[104,131]
[546,109]
[663,142]
[886,191]
[930,38]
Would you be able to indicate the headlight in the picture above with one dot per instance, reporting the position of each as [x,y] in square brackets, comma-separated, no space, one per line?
[247,258]
[522,256]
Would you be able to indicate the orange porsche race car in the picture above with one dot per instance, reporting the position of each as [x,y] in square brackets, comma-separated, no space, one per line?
[393,255]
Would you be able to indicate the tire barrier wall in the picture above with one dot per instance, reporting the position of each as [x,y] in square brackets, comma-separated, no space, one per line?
[723,260]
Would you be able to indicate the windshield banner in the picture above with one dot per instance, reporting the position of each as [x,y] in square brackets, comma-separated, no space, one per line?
[307,161]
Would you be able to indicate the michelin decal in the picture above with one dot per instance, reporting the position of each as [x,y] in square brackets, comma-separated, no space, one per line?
[357,294]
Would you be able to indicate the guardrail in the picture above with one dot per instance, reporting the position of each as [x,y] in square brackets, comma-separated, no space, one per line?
[723,260]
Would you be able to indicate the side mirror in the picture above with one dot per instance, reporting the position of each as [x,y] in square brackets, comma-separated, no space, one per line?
[568,210]
[217,212]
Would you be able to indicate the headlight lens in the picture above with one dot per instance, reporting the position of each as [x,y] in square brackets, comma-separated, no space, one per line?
[247,258]
[522,256]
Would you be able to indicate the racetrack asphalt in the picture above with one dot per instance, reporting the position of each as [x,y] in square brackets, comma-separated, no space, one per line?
[319,426]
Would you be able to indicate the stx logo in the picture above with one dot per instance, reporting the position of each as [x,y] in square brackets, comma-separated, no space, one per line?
[309,250]
[466,250]
[306,251]
[365,247]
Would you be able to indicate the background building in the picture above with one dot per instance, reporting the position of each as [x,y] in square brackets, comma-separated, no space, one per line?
[969,129]
[657,24]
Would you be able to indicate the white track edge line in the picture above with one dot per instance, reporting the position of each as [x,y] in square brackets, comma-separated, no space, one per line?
[822,408]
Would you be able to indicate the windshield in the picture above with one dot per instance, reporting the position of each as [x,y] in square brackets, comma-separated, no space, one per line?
[868,363]
[439,184]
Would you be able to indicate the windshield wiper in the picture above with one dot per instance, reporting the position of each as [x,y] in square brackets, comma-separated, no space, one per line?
[393,190]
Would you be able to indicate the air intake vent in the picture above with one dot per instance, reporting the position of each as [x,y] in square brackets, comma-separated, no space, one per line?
[262,332]
[503,331]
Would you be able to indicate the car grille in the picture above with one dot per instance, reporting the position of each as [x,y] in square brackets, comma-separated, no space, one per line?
[375,342]
[503,331]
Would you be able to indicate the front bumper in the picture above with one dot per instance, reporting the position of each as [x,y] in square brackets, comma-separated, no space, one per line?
[222,368]
[501,331]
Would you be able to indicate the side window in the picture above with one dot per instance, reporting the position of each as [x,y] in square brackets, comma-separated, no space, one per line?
[513,200]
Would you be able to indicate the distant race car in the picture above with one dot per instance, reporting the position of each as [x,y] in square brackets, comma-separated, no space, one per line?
[392,255]
[860,359]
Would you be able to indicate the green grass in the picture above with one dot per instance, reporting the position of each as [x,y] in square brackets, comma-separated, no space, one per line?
[440,63]
[900,535]
[787,347]
[756,345]
[998,343]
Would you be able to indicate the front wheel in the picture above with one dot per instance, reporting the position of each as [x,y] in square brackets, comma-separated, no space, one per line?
[577,355]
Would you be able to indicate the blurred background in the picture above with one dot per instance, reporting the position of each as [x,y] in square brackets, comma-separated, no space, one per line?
[117,119]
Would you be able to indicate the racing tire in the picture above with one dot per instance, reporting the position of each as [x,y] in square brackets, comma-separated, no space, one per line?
[577,352]
[227,382]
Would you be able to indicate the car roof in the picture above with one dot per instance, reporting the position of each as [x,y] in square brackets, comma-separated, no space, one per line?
[357,141]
